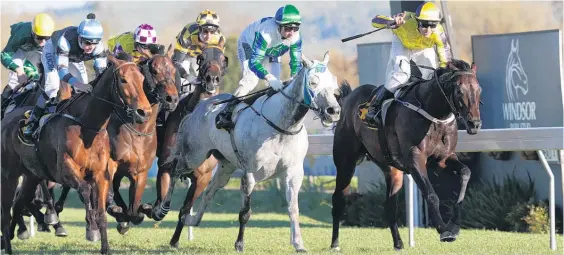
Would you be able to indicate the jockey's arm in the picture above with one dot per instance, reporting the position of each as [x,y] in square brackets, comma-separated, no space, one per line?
[381,21]
[181,51]
[296,57]
[101,60]
[444,39]
[442,46]
[62,62]
[259,50]
[14,42]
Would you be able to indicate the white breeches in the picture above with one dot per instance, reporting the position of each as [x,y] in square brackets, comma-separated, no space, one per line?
[398,74]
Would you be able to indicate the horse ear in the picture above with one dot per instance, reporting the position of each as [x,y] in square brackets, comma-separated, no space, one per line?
[474,68]
[326,58]
[146,53]
[169,51]
[113,59]
[308,63]
[451,66]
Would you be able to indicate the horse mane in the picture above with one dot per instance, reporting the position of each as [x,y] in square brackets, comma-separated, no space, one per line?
[344,90]
[448,74]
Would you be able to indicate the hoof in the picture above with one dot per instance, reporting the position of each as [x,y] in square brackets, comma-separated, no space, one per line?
[137,220]
[123,227]
[42,227]
[146,209]
[336,249]
[93,235]
[174,245]
[61,232]
[448,236]
[23,235]
[58,208]
[51,219]
[239,246]
[301,250]
[398,246]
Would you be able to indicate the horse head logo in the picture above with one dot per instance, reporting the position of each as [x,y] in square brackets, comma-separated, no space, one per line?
[515,77]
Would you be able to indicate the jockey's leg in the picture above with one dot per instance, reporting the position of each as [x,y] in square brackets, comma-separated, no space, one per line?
[51,88]
[398,72]
[249,80]
[426,57]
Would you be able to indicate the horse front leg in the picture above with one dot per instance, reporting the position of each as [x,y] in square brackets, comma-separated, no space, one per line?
[116,205]
[294,180]
[163,153]
[102,181]
[8,188]
[394,183]
[418,169]
[50,216]
[453,226]
[160,211]
[136,190]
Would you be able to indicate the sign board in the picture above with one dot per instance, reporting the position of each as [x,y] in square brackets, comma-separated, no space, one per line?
[520,74]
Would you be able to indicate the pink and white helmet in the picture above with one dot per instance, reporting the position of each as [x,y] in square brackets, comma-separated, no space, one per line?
[145,34]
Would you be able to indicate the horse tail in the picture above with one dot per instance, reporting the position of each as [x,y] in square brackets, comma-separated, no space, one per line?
[344,90]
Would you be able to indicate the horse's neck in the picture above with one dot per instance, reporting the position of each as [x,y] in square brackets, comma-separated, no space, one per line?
[432,100]
[283,112]
[94,113]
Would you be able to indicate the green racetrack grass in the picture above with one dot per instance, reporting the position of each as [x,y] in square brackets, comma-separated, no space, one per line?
[269,233]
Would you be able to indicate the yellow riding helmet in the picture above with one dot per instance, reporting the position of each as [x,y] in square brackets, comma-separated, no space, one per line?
[208,18]
[428,12]
[42,25]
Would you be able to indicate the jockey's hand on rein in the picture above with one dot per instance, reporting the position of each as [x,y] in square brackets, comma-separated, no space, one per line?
[83,87]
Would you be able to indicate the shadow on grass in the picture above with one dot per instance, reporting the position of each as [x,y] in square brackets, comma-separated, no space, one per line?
[315,205]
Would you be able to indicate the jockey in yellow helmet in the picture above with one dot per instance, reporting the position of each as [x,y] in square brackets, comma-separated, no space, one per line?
[190,42]
[416,35]
[22,53]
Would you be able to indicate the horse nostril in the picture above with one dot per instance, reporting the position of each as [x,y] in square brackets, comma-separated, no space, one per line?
[141,113]
[168,99]
[330,111]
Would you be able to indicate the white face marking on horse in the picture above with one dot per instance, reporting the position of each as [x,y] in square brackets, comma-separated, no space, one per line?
[321,84]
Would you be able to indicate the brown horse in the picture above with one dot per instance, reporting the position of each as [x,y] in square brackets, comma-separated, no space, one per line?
[410,140]
[212,65]
[76,142]
[134,145]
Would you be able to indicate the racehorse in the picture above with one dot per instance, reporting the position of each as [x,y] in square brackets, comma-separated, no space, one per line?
[76,142]
[268,140]
[133,146]
[212,67]
[420,125]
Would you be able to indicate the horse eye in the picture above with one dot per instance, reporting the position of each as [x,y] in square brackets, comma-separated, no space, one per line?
[122,80]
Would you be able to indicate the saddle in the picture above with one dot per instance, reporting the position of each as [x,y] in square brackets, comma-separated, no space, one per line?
[224,119]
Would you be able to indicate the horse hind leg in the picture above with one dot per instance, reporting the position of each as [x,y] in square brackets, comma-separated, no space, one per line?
[219,180]
[394,182]
[247,185]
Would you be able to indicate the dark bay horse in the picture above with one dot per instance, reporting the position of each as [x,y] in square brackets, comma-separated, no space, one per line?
[76,142]
[411,140]
[133,146]
[212,67]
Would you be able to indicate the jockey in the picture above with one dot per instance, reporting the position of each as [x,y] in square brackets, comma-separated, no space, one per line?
[63,59]
[144,38]
[22,53]
[415,36]
[190,42]
[267,40]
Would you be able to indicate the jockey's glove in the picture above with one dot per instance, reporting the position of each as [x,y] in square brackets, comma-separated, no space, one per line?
[274,83]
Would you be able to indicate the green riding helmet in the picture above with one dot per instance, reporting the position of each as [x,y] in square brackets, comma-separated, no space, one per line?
[288,15]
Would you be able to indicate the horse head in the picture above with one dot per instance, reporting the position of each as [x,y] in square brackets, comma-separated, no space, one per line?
[163,83]
[129,83]
[319,90]
[515,78]
[465,94]
[212,66]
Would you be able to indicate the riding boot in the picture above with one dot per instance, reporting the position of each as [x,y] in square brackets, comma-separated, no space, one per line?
[373,114]
[223,119]
[36,114]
